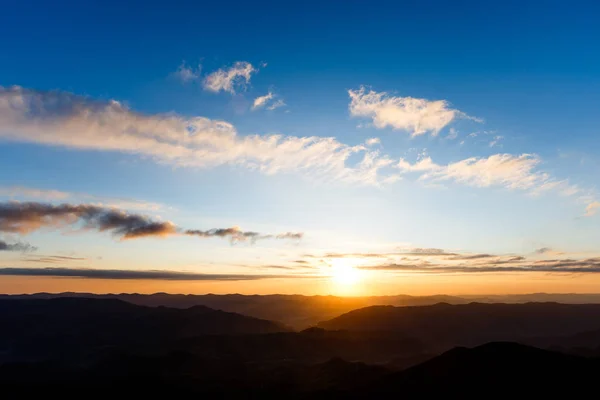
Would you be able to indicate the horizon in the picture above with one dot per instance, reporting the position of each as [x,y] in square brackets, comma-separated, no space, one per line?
[251,152]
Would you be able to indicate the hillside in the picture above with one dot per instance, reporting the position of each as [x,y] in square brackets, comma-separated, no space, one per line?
[444,325]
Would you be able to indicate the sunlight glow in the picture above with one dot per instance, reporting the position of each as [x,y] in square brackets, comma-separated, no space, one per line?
[343,272]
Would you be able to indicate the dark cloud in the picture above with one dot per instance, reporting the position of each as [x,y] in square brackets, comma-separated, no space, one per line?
[471,256]
[19,246]
[55,259]
[427,252]
[591,265]
[128,274]
[235,234]
[28,217]
[543,250]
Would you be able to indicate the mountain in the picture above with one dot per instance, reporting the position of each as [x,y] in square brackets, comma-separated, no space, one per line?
[493,370]
[34,327]
[297,311]
[442,326]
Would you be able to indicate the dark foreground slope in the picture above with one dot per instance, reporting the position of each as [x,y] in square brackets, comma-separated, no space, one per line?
[444,325]
[495,370]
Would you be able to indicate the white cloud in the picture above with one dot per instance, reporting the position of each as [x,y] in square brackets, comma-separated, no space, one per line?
[67,120]
[372,141]
[416,116]
[452,134]
[592,208]
[262,101]
[276,104]
[186,74]
[502,170]
[496,140]
[229,80]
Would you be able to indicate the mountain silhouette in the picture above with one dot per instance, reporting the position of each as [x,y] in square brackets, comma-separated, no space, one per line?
[444,325]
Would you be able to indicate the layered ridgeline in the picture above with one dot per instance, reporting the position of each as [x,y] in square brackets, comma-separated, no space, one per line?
[441,326]
[111,321]
[301,312]
[297,311]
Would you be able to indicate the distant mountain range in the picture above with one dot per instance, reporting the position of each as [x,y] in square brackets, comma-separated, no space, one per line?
[301,312]
[443,325]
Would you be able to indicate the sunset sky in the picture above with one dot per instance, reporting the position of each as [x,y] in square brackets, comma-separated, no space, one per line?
[343,147]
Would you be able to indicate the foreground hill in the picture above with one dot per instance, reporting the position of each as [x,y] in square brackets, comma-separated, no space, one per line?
[444,325]
[494,370]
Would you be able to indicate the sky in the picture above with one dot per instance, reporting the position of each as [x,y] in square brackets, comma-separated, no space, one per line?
[343,147]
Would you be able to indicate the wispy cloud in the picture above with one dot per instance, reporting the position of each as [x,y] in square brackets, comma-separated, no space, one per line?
[496,141]
[54,259]
[503,170]
[416,116]
[230,79]
[262,101]
[592,208]
[268,101]
[236,234]
[186,73]
[452,134]
[64,119]
[276,104]
[373,141]
[133,274]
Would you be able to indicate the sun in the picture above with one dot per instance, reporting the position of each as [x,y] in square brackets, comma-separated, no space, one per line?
[343,272]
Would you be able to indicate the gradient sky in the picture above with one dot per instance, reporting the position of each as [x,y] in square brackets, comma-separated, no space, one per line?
[353,147]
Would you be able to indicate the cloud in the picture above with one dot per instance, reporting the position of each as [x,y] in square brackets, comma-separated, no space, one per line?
[20,192]
[230,79]
[503,170]
[186,73]
[67,120]
[130,274]
[416,116]
[493,264]
[24,218]
[236,235]
[55,259]
[19,246]
[267,101]
[276,104]
[592,208]
[452,134]
[427,252]
[262,101]
[372,141]
[496,140]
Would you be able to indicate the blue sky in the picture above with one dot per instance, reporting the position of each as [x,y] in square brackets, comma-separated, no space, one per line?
[485,116]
